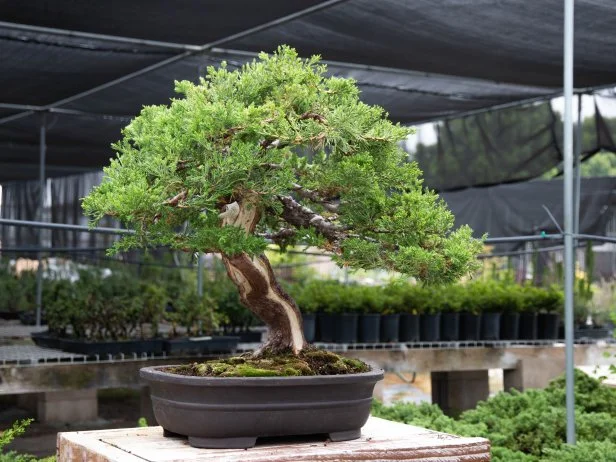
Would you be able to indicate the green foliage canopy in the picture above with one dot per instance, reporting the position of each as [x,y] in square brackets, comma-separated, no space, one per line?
[321,167]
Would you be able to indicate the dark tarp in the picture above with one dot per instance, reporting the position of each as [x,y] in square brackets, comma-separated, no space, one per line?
[20,202]
[504,210]
[517,209]
[421,60]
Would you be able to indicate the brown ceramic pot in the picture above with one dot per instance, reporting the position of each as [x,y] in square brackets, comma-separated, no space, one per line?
[232,412]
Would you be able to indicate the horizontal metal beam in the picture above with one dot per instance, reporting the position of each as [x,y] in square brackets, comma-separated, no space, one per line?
[490,240]
[51,249]
[201,49]
[62,226]
[92,36]
[535,237]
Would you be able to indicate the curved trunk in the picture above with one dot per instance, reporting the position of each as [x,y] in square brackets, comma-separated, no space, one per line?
[258,288]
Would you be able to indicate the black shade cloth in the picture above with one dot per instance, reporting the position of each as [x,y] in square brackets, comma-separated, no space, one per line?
[420,60]
[517,209]
[500,211]
[20,202]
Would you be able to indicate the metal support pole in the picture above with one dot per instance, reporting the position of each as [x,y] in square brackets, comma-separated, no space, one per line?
[200,274]
[577,177]
[568,214]
[41,208]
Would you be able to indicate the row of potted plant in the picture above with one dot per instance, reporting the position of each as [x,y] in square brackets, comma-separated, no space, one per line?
[120,313]
[481,310]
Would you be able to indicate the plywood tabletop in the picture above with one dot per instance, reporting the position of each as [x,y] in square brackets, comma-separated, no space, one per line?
[381,440]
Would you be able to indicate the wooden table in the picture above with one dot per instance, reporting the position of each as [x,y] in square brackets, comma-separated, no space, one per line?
[381,440]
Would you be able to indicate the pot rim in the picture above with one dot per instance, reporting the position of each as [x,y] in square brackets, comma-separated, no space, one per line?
[154,374]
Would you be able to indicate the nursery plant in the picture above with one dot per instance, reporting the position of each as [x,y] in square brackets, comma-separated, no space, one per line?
[278,152]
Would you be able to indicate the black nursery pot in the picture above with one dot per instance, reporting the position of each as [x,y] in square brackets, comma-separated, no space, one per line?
[490,326]
[369,328]
[346,328]
[470,326]
[510,326]
[430,327]
[528,326]
[309,321]
[326,327]
[547,326]
[409,328]
[450,327]
[390,328]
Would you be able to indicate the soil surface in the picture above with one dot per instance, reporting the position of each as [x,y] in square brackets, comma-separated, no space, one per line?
[309,361]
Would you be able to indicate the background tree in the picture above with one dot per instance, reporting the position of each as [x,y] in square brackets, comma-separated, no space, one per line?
[278,152]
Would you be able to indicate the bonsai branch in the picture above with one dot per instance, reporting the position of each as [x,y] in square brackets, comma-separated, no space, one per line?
[300,216]
[315,197]
[175,200]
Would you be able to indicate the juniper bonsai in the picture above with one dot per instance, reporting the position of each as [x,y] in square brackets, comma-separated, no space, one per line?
[278,152]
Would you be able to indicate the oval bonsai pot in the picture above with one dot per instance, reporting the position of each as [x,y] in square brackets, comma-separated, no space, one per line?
[450,326]
[390,328]
[369,327]
[232,412]
[409,328]
[345,328]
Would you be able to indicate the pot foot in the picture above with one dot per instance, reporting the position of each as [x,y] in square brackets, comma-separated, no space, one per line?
[222,443]
[345,436]
[168,434]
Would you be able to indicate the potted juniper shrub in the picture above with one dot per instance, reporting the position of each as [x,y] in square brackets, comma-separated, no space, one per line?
[97,315]
[370,316]
[347,312]
[511,303]
[194,323]
[528,314]
[323,296]
[549,305]
[450,300]
[396,299]
[275,153]
[430,309]
[470,317]
[488,296]
[390,319]
[409,315]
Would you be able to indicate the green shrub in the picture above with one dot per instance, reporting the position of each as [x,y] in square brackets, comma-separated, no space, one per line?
[584,451]
[193,312]
[319,296]
[17,429]
[529,426]
[17,291]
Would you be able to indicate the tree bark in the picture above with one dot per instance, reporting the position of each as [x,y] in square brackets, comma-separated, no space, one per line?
[258,288]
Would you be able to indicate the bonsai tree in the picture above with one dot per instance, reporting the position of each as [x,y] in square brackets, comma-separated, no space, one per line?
[277,152]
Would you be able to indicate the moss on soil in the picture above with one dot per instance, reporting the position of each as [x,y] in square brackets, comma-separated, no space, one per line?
[309,362]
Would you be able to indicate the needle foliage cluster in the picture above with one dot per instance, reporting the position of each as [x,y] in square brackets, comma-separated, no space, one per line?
[280,131]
